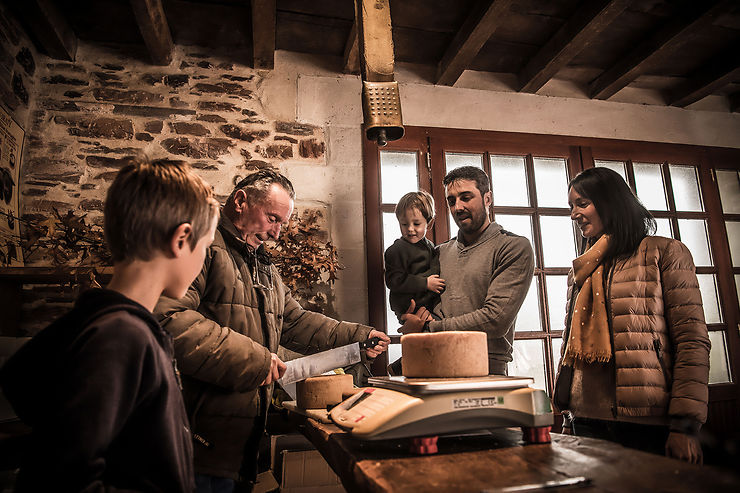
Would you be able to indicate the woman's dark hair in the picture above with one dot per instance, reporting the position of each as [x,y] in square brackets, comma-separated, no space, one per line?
[624,217]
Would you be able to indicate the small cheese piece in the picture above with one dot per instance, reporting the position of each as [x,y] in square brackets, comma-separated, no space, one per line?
[445,354]
[323,390]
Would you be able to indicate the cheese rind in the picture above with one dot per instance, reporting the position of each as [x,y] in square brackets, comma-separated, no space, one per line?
[445,354]
[321,391]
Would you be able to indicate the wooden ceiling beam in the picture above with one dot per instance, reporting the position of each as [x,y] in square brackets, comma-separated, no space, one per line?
[720,71]
[474,33]
[351,63]
[154,29]
[577,33]
[735,102]
[48,27]
[680,28]
[264,18]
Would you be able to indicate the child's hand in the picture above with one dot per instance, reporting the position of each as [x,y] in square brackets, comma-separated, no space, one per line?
[435,283]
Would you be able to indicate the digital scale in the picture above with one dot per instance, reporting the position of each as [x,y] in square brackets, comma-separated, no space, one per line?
[401,407]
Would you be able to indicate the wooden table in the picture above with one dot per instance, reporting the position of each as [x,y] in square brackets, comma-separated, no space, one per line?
[487,462]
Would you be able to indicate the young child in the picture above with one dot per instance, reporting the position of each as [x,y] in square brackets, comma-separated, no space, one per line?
[412,262]
[99,386]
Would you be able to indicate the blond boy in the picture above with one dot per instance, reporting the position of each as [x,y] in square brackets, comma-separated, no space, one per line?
[100,387]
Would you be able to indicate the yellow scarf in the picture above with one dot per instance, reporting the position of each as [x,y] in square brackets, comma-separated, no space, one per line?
[589,339]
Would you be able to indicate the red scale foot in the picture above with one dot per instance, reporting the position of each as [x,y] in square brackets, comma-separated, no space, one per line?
[536,434]
[424,446]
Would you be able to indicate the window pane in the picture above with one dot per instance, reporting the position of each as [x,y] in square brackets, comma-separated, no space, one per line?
[391,321]
[521,225]
[649,183]
[509,178]
[733,238]
[694,236]
[394,352]
[557,294]
[617,166]
[529,361]
[391,230]
[398,175]
[718,368]
[453,226]
[710,298]
[685,185]
[457,160]
[558,243]
[663,227]
[737,287]
[557,344]
[528,319]
[728,182]
[551,181]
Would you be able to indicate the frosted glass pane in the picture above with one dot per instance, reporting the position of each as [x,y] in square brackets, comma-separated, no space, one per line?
[521,225]
[551,181]
[617,166]
[728,182]
[737,287]
[398,175]
[529,361]
[557,294]
[457,160]
[394,352]
[391,230]
[718,368]
[558,243]
[686,194]
[509,179]
[649,183]
[694,236]
[710,298]
[663,227]
[557,344]
[528,319]
[733,238]
[391,321]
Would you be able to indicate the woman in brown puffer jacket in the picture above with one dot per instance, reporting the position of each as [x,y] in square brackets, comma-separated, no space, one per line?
[635,358]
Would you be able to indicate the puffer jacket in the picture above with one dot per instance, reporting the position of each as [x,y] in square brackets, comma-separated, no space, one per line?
[224,330]
[659,339]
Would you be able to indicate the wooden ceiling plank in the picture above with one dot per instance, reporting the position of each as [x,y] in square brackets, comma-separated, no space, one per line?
[49,28]
[351,63]
[679,28]
[720,71]
[154,29]
[735,102]
[577,33]
[474,33]
[264,15]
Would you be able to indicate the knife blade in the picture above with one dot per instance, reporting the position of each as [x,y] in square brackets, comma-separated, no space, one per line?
[315,364]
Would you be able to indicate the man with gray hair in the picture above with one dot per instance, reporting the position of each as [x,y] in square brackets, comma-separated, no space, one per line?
[228,327]
[487,271]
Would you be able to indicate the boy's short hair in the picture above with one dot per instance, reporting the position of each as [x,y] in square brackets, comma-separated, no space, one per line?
[257,185]
[148,201]
[420,200]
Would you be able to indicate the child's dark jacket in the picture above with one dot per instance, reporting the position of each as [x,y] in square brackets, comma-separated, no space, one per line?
[407,266]
[100,390]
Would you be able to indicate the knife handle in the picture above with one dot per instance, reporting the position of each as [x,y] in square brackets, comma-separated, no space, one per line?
[370,343]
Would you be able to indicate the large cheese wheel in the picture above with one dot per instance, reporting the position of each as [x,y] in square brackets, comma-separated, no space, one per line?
[445,354]
[324,390]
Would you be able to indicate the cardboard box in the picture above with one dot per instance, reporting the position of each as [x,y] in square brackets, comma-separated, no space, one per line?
[305,471]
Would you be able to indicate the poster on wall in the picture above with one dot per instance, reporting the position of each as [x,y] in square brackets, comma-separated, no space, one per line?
[11,147]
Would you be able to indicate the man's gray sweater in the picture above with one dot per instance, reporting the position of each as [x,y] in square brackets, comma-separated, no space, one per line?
[486,283]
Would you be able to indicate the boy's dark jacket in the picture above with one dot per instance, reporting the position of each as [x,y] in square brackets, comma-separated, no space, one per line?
[100,391]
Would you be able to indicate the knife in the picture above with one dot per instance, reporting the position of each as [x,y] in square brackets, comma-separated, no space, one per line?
[309,366]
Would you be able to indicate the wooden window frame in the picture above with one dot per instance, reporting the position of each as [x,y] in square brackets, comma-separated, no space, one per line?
[431,143]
